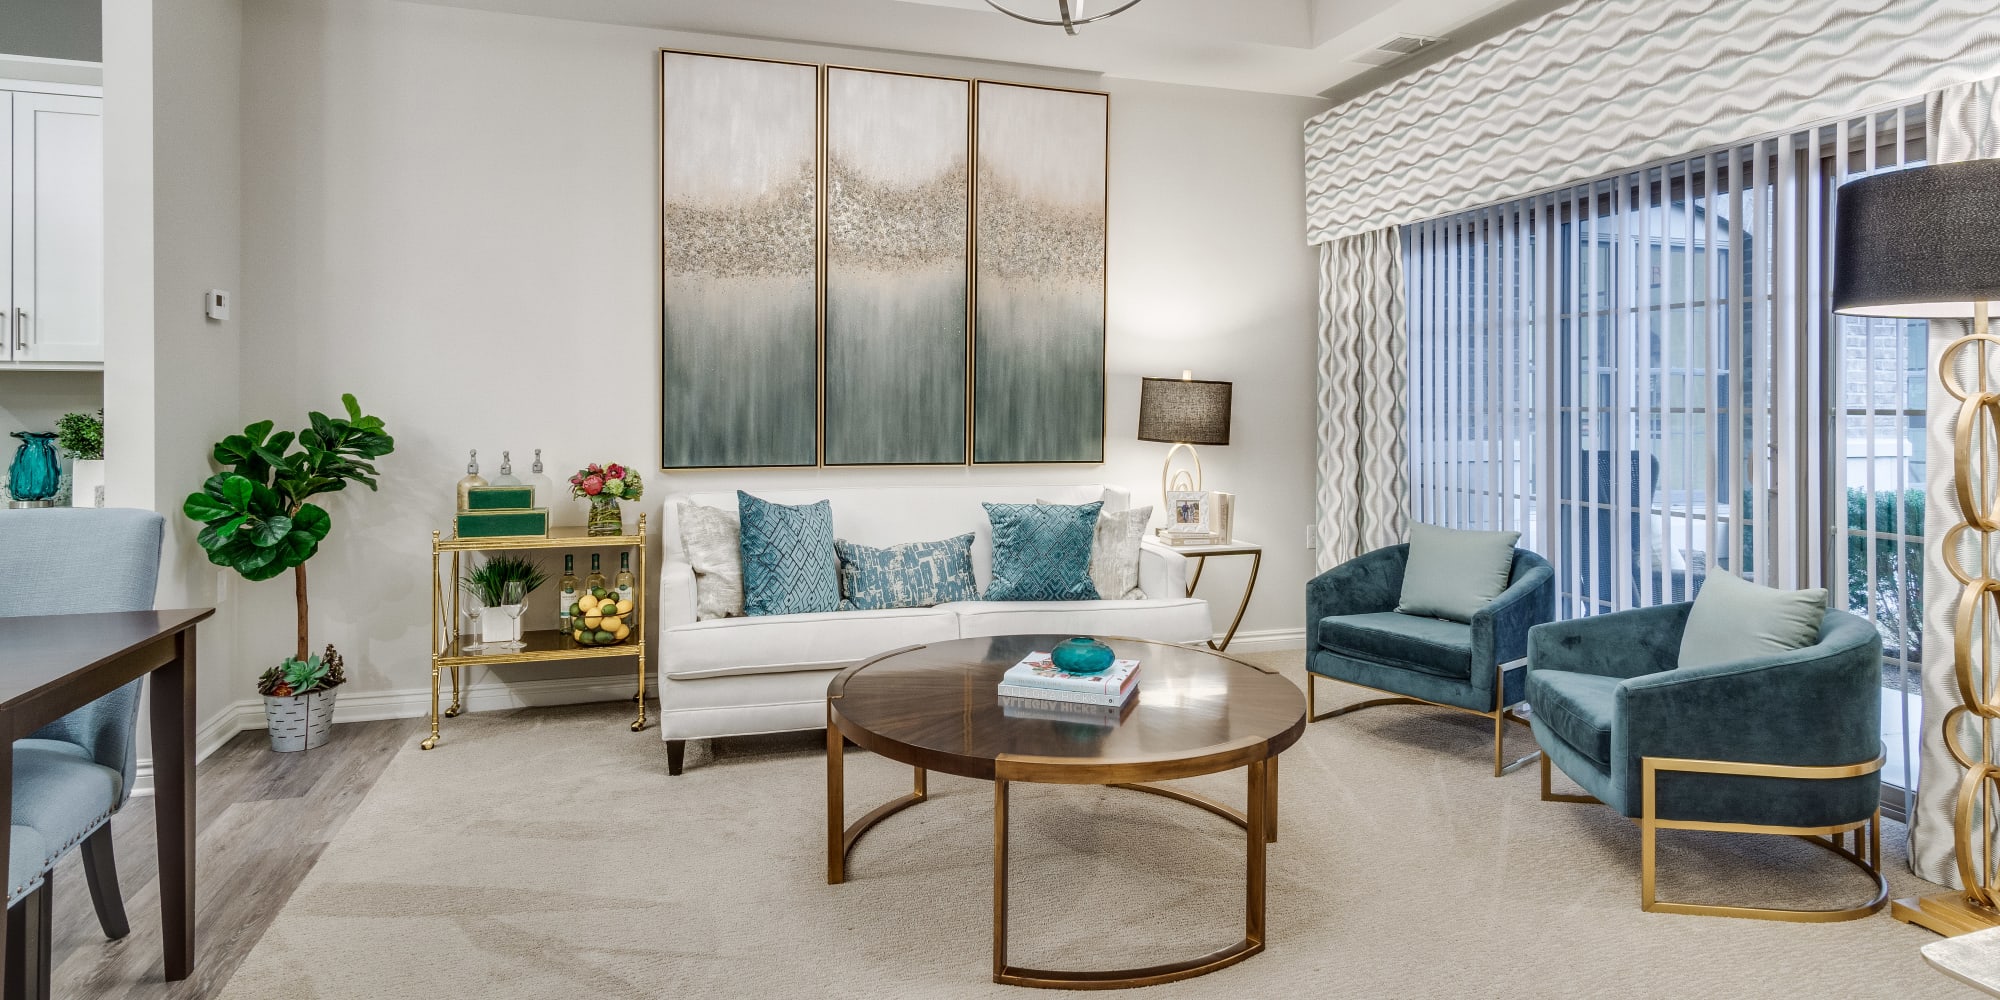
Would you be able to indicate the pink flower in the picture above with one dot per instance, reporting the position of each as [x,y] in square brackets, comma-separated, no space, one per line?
[593,485]
[576,480]
[594,468]
[617,471]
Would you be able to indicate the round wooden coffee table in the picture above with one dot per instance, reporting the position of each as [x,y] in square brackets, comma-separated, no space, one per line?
[1197,712]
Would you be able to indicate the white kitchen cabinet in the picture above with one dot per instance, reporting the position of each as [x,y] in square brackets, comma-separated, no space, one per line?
[54,228]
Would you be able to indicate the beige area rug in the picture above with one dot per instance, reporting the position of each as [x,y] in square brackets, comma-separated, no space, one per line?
[546,853]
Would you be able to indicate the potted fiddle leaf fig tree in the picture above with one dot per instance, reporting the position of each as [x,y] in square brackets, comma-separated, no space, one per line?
[257,519]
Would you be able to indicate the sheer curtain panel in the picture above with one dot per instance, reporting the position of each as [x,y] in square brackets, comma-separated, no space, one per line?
[1361,401]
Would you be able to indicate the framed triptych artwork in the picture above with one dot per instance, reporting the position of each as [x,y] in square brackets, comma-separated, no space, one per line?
[871,268]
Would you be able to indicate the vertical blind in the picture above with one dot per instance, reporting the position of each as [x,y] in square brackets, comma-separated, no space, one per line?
[1642,375]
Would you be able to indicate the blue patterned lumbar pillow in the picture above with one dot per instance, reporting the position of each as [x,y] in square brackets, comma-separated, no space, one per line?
[789,567]
[1041,552]
[912,575]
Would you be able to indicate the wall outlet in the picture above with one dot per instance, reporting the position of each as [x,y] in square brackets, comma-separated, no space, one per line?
[1312,537]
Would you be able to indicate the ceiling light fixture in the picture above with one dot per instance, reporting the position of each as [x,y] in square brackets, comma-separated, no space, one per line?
[1069,14]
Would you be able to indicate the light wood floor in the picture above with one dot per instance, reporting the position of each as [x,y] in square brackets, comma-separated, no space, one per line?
[263,819]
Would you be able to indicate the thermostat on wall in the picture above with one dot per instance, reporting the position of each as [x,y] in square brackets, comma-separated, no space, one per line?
[218,304]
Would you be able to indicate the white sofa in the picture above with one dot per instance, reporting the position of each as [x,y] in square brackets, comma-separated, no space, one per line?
[768,674]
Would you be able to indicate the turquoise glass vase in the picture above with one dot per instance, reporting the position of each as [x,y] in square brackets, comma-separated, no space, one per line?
[1082,656]
[34,474]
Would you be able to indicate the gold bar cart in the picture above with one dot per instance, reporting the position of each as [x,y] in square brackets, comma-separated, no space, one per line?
[539,645]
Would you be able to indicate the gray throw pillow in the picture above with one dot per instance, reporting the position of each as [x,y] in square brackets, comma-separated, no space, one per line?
[1734,619]
[713,544]
[1114,552]
[1452,574]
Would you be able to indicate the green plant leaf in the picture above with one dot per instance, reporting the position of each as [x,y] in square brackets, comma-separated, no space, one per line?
[270,531]
[202,507]
[353,408]
[296,548]
[237,492]
[313,521]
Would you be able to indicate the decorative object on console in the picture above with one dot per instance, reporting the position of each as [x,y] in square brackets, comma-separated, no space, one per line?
[739,142]
[910,575]
[714,547]
[1041,552]
[789,563]
[510,523]
[604,486]
[506,476]
[257,515]
[81,437]
[1184,412]
[538,480]
[500,498]
[1453,574]
[1190,516]
[298,700]
[35,475]
[1081,655]
[487,585]
[1068,14]
[898,214]
[1037,675]
[472,479]
[1038,273]
[1918,244]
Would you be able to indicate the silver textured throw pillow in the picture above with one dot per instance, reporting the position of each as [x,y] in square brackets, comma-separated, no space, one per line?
[713,541]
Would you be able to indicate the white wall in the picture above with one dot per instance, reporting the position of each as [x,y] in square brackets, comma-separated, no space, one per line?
[173,207]
[443,206]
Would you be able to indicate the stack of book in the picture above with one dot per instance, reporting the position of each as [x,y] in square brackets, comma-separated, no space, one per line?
[1036,689]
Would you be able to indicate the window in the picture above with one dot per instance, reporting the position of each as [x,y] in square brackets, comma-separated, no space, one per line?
[1641,374]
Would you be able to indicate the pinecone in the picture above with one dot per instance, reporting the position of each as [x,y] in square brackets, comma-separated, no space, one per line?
[335,676]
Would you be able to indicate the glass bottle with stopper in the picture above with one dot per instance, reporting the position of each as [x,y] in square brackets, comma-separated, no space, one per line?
[472,478]
[506,476]
[538,480]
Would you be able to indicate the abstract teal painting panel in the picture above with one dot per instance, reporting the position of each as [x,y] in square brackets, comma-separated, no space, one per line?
[1038,325]
[897,215]
[739,227]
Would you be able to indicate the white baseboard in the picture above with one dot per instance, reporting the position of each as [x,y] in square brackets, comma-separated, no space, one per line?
[1268,640]
[493,695]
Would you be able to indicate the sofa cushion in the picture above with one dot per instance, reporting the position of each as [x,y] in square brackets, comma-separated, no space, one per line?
[714,547]
[1114,552]
[789,566]
[1734,619]
[1181,619]
[1453,573]
[1041,552]
[771,643]
[1431,645]
[910,575]
[1577,707]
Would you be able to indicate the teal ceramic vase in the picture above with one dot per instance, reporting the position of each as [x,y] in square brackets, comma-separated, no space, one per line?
[34,474]
[1082,656]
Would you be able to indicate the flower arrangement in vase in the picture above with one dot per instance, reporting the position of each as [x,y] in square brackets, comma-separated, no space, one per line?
[604,486]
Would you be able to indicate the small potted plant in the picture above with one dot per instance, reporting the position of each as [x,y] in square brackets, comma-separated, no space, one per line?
[81,437]
[604,486]
[257,519]
[298,700]
[500,586]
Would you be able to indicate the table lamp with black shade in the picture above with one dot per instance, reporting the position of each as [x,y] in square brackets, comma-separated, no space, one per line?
[1183,412]
[1924,243]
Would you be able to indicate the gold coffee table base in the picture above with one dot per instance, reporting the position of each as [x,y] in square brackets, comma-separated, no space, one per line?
[1260,825]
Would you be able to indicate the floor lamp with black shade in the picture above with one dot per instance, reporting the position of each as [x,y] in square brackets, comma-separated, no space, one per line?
[1921,244]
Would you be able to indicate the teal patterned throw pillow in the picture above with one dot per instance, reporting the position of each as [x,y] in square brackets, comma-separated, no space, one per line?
[789,567]
[912,575]
[1041,552]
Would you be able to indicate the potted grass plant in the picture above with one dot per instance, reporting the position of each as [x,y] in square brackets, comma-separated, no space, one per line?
[81,437]
[499,588]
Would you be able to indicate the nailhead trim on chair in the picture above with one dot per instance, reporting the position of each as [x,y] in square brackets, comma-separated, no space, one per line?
[49,863]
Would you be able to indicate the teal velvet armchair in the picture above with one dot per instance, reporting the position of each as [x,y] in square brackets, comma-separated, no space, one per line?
[73,774]
[1354,634]
[1788,743]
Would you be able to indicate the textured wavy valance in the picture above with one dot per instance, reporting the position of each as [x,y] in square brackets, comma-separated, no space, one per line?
[1599,86]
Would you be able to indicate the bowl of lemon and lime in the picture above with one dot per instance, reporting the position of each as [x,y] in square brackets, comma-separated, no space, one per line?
[599,618]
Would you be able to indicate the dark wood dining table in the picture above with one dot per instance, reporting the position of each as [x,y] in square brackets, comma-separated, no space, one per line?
[52,665]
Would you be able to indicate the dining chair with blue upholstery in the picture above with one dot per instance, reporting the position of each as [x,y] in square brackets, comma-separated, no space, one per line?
[72,775]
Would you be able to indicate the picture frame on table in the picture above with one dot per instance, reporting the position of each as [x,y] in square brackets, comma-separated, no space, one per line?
[1190,512]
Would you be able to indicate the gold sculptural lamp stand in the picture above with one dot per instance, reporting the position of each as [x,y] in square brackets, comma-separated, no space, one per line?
[1918,244]
[1183,412]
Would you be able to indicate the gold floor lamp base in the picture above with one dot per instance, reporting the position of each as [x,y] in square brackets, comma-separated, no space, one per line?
[1947,913]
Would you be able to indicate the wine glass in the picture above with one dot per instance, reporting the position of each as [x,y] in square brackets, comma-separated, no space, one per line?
[514,604]
[471,640]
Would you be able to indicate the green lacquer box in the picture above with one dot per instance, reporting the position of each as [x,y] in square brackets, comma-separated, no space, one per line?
[503,523]
[500,498]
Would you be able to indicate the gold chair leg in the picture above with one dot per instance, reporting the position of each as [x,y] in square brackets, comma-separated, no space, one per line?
[1502,766]
[1650,824]
[1549,793]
